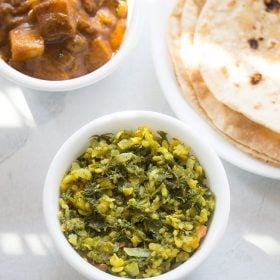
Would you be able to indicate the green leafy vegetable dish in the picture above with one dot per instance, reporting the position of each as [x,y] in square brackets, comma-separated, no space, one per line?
[135,204]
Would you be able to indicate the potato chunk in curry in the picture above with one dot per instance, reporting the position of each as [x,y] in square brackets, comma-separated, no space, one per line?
[60,39]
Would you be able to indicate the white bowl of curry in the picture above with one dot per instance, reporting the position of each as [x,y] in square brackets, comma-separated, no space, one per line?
[59,45]
[120,166]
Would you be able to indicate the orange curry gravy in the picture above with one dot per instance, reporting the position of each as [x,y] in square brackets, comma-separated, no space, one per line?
[60,39]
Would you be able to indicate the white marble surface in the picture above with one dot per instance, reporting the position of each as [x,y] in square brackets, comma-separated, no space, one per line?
[33,125]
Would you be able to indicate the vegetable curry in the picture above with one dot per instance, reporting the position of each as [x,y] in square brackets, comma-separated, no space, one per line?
[60,39]
[135,204]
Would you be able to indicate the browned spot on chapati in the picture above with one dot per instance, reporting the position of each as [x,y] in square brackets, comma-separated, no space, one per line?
[253,43]
[257,106]
[272,5]
[224,71]
[231,4]
[255,78]
[204,29]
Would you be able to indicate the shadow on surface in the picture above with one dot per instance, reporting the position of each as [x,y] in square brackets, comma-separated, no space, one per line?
[21,111]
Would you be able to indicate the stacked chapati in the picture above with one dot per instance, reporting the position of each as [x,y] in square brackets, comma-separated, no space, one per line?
[226,56]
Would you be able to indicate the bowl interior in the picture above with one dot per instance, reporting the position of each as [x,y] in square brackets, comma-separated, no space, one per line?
[77,144]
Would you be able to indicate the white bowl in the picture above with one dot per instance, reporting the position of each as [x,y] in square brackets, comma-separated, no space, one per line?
[133,26]
[76,145]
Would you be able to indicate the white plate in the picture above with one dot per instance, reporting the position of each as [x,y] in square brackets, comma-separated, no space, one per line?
[159,16]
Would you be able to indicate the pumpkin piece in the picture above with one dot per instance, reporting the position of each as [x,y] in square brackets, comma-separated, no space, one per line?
[25,43]
[117,35]
[101,52]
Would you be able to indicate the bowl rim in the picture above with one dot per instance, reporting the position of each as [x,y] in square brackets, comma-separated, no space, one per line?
[219,219]
[134,26]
